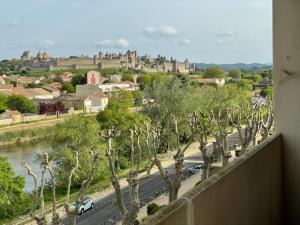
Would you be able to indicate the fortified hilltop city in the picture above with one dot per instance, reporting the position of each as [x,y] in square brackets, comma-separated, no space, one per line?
[42,61]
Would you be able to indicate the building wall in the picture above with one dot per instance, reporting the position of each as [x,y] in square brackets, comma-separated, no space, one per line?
[286,37]
[246,192]
[84,90]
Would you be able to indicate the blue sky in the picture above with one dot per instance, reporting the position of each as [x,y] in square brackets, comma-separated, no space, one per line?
[210,31]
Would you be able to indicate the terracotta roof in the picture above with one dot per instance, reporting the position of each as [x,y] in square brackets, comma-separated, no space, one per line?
[99,94]
[29,92]
[5,87]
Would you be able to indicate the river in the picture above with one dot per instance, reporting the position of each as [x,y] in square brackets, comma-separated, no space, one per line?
[27,152]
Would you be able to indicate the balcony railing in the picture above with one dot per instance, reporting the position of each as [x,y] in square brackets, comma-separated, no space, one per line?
[246,192]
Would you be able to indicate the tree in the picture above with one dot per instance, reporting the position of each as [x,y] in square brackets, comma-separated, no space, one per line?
[137,98]
[72,210]
[68,87]
[166,99]
[202,128]
[77,134]
[144,81]
[267,119]
[250,115]
[21,104]
[33,85]
[78,79]
[173,182]
[127,77]
[118,115]
[3,103]
[266,92]
[235,73]
[129,214]
[214,72]
[13,201]
[38,193]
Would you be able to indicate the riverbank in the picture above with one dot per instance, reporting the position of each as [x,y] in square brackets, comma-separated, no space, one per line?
[30,132]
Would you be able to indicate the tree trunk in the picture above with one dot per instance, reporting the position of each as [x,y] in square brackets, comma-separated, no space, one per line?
[173,193]
[134,204]
[72,218]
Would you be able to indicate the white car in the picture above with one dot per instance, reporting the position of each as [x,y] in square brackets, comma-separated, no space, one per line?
[87,204]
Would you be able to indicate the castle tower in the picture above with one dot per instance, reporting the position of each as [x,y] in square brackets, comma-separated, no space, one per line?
[175,65]
[186,64]
[100,55]
[26,56]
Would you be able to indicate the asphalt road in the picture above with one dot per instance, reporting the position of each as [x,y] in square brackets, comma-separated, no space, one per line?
[104,210]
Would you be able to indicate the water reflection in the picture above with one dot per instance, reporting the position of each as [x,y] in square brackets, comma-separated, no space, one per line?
[27,152]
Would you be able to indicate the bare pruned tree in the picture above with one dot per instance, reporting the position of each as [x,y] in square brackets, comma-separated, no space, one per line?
[268,120]
[129,215]
[220,128]
[173,182]
[38,193]
[201,124]
[72,209]
[39,218]
[250,116]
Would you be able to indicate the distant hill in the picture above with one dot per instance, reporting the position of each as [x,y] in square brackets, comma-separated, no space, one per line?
[241,66]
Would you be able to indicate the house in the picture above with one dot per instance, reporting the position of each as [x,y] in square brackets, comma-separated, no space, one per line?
[99,101]
[54,88]
[84,90]
[12,116]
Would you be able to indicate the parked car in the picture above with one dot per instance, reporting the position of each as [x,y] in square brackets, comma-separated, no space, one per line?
[195,169]
[87,204]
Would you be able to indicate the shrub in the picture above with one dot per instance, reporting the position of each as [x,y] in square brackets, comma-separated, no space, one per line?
[152,208]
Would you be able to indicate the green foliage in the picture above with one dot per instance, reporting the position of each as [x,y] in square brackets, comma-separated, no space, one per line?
[78,79]
[152,208]
[222,98]
[68,87]
[21,104]
[123,162]
[109,71]
[170,98]
[32,85]
[256,78]
[137,98]
[266,92]
[13,200]
[118,115]
[144,81]
[127,77]
[34,134]
[245,84]
[235,73]
[214,72]
[79,134]
[3,103]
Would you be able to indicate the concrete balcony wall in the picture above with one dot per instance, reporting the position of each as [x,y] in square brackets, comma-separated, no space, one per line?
[247,192]
[286,74]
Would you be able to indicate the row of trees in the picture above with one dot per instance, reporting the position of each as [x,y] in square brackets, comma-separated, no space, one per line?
[175,116]
[17,102]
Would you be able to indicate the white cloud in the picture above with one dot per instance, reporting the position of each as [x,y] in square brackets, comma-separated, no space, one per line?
[227,34]
[163,31]
[47,44]
[185,41]
[108,43]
